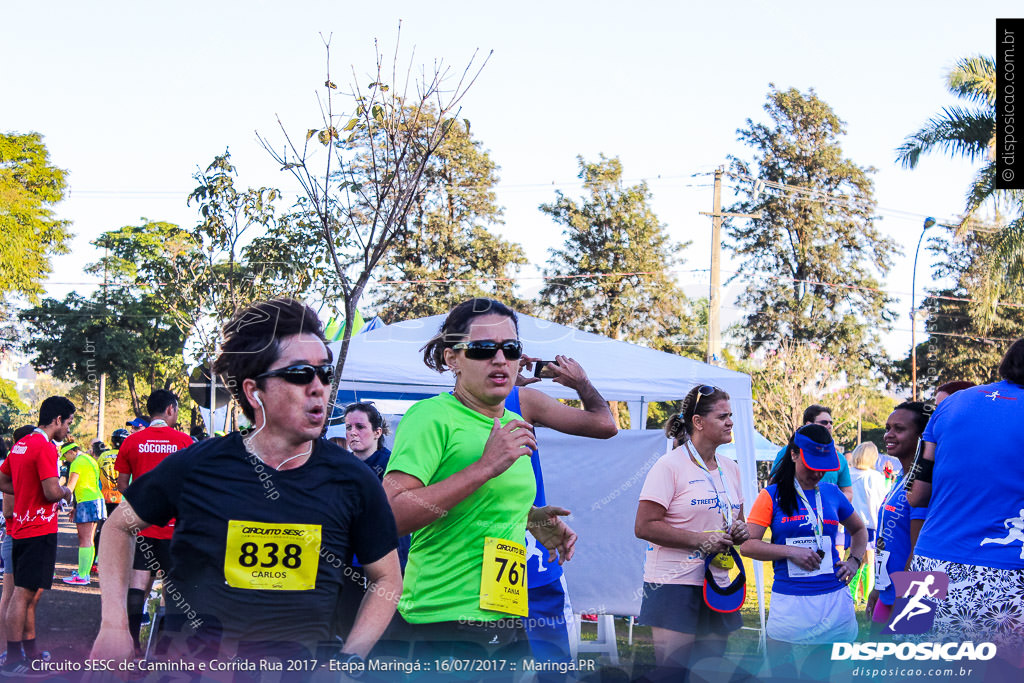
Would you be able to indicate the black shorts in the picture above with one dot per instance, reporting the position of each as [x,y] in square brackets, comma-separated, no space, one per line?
[34,560]
[153,554]
[681,608]
[462,640]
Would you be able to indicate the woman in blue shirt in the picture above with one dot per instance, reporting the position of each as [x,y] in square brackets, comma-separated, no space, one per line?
[810,600]
[971,477]
[898,523]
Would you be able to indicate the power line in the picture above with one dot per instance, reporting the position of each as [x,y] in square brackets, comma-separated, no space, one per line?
[584,276]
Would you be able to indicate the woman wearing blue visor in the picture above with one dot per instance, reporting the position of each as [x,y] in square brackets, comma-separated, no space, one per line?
[810,601]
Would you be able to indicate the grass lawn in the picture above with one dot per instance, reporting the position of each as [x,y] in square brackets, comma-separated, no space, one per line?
[638,656]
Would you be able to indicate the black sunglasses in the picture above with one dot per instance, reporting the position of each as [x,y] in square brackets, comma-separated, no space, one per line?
[302,373]
[486,349]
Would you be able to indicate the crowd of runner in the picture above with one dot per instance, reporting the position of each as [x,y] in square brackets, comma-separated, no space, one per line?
[289,542]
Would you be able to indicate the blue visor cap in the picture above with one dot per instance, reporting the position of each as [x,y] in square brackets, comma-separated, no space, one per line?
[816,456]
[725,598]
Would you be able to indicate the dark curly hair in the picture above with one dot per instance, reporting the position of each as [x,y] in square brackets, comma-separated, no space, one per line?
[252,342]
[455,328]
[922,413]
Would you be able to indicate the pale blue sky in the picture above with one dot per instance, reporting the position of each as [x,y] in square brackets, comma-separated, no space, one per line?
[132,97]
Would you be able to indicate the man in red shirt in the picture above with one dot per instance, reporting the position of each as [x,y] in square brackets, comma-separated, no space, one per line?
[141,452]
[30,473]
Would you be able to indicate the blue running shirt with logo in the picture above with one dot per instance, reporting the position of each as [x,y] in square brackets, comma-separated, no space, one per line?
[976,511]
[798,528]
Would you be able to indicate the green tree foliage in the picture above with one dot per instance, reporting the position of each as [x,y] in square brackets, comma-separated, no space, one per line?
[627,292]
[810,262]
[970,133]
[361,179]
[962,343]
[793,375]
[614,240]
[129,338]
[13,411]
[200,277]
[447,253]
[29,233]
[227,216]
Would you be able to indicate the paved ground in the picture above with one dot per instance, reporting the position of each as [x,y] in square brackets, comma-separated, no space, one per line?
[68,617]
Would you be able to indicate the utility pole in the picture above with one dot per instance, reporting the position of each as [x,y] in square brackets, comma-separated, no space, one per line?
[928,223]
[860,421]
[101,411]
[714,355]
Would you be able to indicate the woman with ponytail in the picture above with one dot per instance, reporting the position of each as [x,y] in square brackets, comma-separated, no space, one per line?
[811,603]
[691,506]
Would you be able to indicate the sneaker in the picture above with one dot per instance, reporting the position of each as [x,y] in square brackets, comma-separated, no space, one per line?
[76,580]
[3,658]
[22,669]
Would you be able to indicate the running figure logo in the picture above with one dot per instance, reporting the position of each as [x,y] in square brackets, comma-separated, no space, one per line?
[1014,533]
[914,612]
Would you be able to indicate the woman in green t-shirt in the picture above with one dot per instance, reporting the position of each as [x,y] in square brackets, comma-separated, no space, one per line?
[459,482]
[84,481]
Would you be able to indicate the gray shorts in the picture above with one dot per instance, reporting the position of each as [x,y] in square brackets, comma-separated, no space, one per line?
[681,608]
[5,554]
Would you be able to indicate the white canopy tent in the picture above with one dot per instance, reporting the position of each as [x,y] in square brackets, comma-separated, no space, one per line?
[763,448]
[387,363]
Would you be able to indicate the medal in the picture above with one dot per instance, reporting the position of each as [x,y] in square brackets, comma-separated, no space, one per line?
[816,521]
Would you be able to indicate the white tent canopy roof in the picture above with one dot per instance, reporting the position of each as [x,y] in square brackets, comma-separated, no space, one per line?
[389,360]
[387,363]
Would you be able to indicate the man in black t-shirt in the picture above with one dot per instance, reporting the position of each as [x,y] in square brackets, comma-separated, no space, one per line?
[265,522]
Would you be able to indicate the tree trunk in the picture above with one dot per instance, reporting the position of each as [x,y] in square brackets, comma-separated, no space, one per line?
[613,406]
[136,406]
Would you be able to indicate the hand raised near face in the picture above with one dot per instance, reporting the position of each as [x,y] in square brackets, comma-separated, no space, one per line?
[506,444]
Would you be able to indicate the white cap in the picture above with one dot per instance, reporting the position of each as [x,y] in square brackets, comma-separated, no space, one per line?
[335,432]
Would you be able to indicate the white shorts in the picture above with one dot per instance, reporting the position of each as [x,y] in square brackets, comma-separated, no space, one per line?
[812,619]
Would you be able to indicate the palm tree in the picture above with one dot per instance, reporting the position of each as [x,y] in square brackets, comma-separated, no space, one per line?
[971,133]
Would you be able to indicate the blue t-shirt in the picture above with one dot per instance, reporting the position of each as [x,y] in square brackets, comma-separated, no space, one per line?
[788,527]
[894,528]
[539,572]
[976,512]
[840,477]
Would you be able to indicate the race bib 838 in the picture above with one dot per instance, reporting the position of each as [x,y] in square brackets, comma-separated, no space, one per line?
[266,556]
